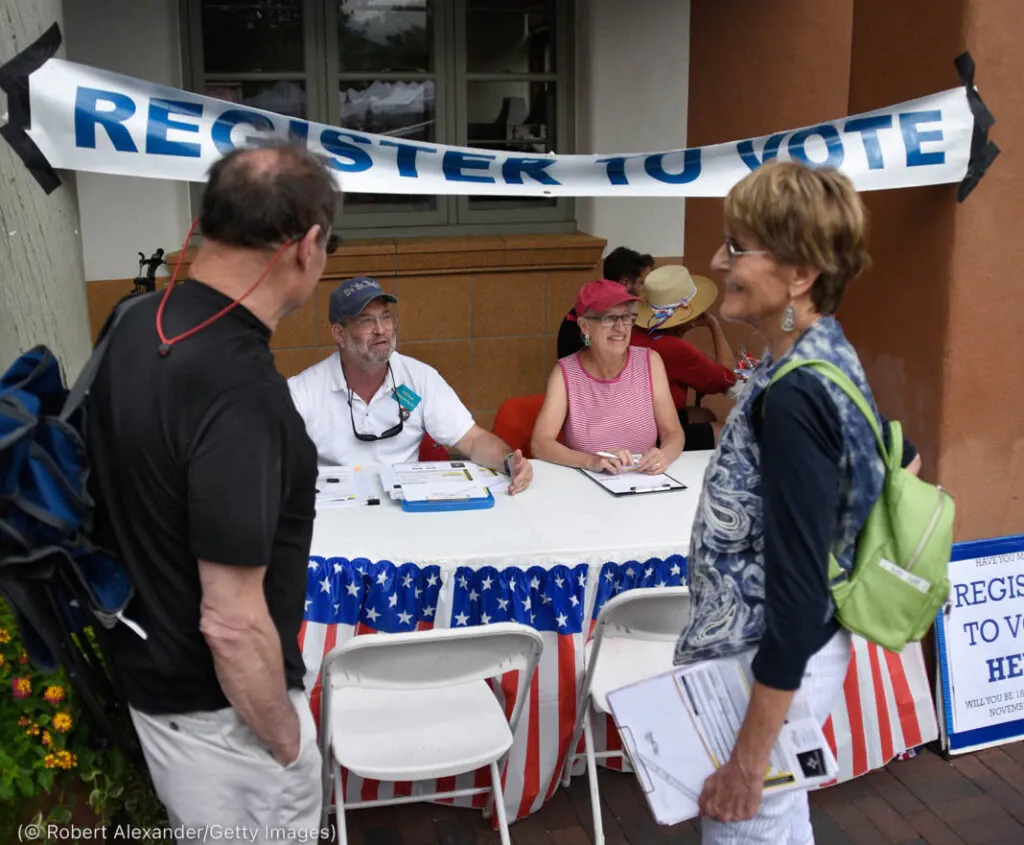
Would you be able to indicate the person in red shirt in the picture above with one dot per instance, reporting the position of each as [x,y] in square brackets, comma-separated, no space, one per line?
[675,302]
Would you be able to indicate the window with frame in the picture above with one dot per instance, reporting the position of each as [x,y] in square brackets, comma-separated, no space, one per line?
[491,74]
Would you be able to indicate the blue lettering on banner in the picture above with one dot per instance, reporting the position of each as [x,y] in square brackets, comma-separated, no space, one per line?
[771,150]
[829,134]
[455,161]
[616,169]
[88,116]
[913,137]
[868,128]
[228,120]
[536,168]
[655,167]
[407,157]
[334,142]
[157,142]
[298,130]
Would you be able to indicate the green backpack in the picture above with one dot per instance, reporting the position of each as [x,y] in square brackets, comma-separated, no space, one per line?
[900,577]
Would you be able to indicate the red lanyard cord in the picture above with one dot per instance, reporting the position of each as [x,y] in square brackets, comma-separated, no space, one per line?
[165,342]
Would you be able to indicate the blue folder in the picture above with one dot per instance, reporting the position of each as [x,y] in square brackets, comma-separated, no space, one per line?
[478,504]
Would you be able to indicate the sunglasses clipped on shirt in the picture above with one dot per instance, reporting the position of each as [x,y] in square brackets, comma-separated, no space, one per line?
[403,415]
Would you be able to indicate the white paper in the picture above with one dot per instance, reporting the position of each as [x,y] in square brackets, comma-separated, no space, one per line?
[635,482]
[680,726]
[399,478]
[344,487]
[430,491]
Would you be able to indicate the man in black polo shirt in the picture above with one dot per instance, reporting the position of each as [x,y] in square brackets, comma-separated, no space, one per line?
[623,265]
[207,477]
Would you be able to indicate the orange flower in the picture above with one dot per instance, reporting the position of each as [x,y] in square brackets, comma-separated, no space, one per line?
[24,722]
[50,761]
[3,660]
[66,760]
[62,722]
[32,730]
[24,658]
[54,694]
[5,636]
[46,739]
[22,687]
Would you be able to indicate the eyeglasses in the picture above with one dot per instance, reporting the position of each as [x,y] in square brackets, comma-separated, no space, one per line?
[733,249]
[403,415]
[607,321]
[366,323]
[333,242]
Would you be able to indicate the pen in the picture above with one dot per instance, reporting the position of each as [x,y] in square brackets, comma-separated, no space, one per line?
[610,456]
[650,489]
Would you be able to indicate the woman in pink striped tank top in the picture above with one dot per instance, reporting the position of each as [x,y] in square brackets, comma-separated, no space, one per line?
[609,397]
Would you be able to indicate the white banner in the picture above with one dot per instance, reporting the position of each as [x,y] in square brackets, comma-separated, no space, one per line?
[86,119]
[984,640]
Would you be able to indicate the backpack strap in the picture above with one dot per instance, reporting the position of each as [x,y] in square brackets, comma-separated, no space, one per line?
[92,366]
[844,383]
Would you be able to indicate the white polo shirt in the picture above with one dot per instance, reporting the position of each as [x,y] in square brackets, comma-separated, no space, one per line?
[321,396]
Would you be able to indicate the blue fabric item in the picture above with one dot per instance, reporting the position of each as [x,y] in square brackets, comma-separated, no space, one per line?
[389,597]
[545,599]
[727,544]
[617,578]
[385,596]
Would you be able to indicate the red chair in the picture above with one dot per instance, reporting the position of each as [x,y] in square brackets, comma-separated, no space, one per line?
[432,451]
[515,420]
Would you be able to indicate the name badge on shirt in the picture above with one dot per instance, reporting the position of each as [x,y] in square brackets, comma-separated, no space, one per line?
[407,398]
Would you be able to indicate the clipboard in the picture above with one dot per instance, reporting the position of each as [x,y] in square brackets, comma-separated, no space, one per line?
[632,484]
[438,505]
[679,727]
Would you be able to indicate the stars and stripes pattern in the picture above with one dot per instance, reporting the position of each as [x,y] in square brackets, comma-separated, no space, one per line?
[885,711]
[554,602]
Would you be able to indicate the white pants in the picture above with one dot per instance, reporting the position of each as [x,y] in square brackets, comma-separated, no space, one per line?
[786,819]
[218,782]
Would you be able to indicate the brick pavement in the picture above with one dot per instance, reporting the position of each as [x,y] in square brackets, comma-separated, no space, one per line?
[973,800]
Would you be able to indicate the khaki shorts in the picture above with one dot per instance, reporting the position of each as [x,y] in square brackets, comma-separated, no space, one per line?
[219,783]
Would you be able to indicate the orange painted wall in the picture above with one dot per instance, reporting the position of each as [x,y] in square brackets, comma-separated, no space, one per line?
[935,319]
[982,425]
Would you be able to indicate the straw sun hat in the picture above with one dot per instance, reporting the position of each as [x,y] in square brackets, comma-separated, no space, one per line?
[671,296]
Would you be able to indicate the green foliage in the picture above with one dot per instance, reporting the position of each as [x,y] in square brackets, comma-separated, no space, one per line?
[50,767]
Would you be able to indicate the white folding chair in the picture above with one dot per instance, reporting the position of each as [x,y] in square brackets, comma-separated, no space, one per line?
[417,706]
[634,639]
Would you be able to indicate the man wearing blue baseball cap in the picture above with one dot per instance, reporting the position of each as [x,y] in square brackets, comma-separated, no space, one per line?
[369,404]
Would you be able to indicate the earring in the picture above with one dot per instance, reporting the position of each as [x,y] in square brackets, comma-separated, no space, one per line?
[789,318]
[586,340]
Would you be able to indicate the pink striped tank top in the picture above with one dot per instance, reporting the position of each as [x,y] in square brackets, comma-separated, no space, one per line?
[610,413]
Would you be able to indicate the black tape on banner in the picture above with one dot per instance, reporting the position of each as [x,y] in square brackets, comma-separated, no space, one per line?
[983,151]
[14,82]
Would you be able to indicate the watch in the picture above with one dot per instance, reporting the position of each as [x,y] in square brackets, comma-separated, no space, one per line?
[508,467]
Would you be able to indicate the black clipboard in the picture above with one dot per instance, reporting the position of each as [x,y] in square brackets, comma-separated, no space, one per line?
[674,484]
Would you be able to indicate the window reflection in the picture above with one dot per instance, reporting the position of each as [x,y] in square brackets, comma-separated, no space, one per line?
[253,36]
[285,96]
[386,36]
[510,36]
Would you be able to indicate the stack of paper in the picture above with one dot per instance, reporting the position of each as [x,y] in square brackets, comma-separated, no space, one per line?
[680,727]
[440,481]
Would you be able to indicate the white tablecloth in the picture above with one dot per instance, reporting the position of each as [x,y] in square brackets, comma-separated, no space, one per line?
[564,517]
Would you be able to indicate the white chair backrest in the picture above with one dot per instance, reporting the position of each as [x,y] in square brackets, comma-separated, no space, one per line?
[650,613]
[440,657]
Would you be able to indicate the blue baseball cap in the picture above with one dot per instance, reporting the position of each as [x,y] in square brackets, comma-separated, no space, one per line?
[350,297]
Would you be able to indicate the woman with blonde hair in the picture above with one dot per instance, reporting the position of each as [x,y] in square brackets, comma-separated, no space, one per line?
[795,474]
[610,402]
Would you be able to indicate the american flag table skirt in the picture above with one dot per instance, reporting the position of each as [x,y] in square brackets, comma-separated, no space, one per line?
[886,710]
